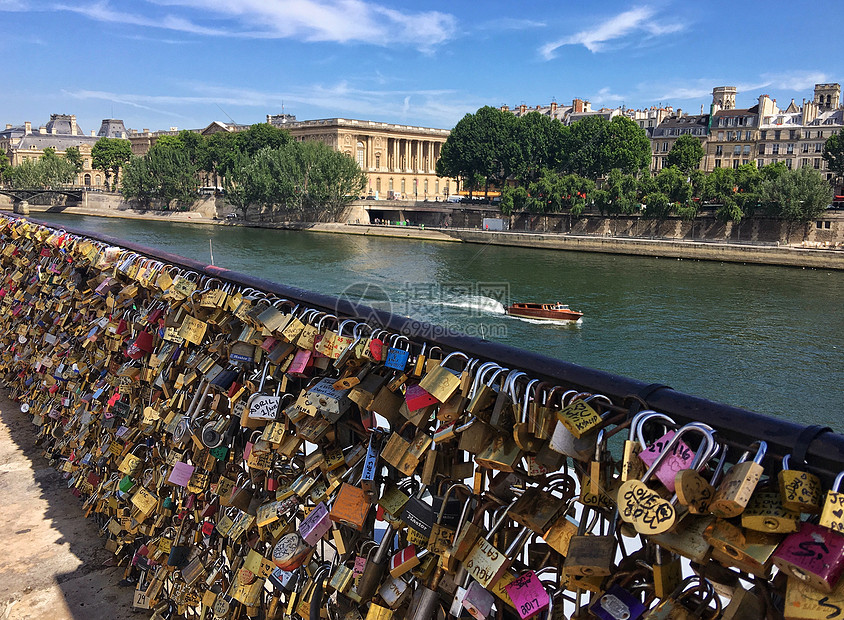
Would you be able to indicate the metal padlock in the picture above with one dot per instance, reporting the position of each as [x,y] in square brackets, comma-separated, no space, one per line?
[590,556]
[442,537]
[736,488]
[765,513]
[813,554]
[683,605]
[442,382]
[645,508]
[632,467]
[528,594]
[800,490]
[832,515]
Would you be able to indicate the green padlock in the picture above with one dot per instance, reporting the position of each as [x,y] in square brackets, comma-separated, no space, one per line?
[126,484]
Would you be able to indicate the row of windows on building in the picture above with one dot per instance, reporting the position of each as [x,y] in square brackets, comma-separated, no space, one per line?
[805,162]
[403,184]
[764,134]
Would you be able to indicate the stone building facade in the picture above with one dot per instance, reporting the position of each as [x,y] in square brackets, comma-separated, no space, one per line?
[23,143]
[399,160]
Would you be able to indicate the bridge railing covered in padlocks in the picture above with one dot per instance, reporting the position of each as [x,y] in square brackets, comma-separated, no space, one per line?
[255,450]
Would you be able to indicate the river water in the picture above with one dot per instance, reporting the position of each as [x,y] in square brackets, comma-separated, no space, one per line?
[768,339]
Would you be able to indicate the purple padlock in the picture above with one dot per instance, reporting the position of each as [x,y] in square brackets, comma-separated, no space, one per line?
[681,458]
[528,595]
[617,604]
[315,525]
[478,601]
[814,555]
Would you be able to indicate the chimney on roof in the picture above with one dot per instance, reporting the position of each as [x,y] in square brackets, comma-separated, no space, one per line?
[93,134]
[42,130]
[8,125]
[553,107]
[74,130]
[522,109]
[505,108]
[577,106]
[27,127]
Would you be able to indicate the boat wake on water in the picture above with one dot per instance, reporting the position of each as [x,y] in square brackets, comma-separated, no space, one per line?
[478,303]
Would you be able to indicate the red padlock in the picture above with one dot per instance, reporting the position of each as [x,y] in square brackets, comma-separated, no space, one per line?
[814,555]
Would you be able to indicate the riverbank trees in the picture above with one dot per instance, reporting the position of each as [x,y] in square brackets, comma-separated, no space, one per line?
[261,167]
[543,166]
[49,171]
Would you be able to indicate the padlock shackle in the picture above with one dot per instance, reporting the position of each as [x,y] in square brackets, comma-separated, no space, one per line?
[638,422]
[526,402]
[480,373]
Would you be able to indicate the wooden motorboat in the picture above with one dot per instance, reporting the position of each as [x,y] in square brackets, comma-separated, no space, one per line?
[549,312]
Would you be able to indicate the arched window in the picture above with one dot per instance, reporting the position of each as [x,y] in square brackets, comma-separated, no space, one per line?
[391,183]
[402,186]
[378,185]
[378,161]
[87,180]
[97,181]
[361,155]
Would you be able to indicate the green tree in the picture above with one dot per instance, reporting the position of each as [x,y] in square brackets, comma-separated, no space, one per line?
[798,197]
[56,170]
[219,155]
[73,155]
[833,153]
[164,174]
[628,146]
[259,136]
[594,146]
[539,139]
[585,151]
[48,172]
[658,205]
[618,194]
[4,165]
[513,199]
[109,155]
[482,144]
[685,154]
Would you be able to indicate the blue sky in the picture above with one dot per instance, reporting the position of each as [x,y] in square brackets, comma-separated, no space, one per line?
[185,63]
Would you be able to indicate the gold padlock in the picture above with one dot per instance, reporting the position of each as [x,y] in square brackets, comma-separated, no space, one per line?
[800,490]
[738,484]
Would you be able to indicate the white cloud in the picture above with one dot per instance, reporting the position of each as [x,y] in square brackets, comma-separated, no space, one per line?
[12,5]
[510,23]
[605,95]
[795,80]
[437,108]
[617,27]
[340,21]
[100,11]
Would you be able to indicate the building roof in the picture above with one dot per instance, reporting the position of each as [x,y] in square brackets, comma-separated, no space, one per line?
[40,141]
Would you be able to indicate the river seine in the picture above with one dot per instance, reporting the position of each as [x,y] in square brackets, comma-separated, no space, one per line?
[768,339]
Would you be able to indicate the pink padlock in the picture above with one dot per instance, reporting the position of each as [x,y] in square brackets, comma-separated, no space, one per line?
[528,595]
[302,364]
[680,459]
[315,525]
[814,555]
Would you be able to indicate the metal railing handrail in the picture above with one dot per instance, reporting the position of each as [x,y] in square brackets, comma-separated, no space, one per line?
[825,454]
